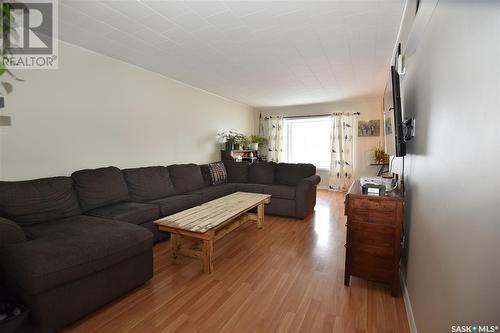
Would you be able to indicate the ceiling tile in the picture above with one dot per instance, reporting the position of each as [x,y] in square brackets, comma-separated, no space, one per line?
[125,24]
[225,21]
[150,37]
[168,9]
[207,8]
[260,21]
[94,26]
[94,9]
[179,36]
[69,15]
[157,23]
[244,8]
[190,21]
[132,9]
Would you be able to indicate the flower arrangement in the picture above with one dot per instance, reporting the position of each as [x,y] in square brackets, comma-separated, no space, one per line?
[379,154]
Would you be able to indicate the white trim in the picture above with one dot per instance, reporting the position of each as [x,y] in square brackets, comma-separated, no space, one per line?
[322,187]
[408,308]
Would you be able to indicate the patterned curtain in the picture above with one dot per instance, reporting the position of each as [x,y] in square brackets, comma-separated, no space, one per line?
[341,169]
[273,132]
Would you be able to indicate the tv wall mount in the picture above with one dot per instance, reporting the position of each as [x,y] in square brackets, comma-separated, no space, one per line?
[409,128]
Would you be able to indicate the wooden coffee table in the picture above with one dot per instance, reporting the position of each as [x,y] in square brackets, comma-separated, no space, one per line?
[210,222]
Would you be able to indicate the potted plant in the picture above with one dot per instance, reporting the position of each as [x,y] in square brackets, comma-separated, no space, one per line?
[255,141]
[379,154]
[240,142]
[229,138]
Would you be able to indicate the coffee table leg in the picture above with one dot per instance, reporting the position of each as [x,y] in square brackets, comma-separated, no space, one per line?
[174,243]
[260,216]
[208,251]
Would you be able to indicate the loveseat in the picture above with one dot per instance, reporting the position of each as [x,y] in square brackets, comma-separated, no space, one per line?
[69,245]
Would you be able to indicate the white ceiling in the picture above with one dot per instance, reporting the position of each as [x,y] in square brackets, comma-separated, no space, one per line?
[260,53]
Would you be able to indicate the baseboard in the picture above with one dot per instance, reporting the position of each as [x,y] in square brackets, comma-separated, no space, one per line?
[322,187]
[409,310]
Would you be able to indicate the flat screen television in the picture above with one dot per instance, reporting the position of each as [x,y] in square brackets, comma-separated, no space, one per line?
[395,144]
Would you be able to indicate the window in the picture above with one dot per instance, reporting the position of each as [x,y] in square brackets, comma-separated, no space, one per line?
[307,140]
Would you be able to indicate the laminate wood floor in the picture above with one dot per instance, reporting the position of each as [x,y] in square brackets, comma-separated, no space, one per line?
[285,278]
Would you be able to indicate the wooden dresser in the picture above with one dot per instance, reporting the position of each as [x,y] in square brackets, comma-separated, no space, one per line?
[374,231]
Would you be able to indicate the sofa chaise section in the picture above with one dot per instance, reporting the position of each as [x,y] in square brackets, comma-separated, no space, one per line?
[63,265]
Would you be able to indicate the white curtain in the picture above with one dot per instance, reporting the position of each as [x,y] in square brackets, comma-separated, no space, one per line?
[273,132]
[342,159]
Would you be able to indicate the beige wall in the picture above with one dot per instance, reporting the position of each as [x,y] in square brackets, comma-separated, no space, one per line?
[452,169]
[369,107]
[96,111]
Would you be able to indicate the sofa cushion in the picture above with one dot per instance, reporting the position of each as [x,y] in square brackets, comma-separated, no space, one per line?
[66,250]
[176,203]
[218,173]
[291,174]
[39,200]
[262,173]
[186,177]
[237,172]
[281,191]
[213,192]
[10,232]
[148,183]
[205,173]
[100,187]
[132,212]
[252,188]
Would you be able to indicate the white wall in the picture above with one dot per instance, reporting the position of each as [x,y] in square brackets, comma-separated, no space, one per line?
[369,107]
[96,111]
[452,88]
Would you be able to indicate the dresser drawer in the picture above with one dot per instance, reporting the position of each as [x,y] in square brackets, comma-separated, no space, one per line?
[382,217]
[375,274]
[376,257]
[375,204]
[370,234]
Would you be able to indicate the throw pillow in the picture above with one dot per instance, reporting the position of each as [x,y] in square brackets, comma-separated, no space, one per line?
[218,173]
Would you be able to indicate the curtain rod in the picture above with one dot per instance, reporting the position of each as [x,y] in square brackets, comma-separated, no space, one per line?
[314,115]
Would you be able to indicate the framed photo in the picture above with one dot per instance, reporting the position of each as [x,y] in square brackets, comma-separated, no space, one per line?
[368,128]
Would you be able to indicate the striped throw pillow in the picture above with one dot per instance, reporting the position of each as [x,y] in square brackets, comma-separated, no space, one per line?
[218,173]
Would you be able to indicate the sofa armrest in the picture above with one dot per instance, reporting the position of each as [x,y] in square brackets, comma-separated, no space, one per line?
[314,179]
[10,232]
[305,196]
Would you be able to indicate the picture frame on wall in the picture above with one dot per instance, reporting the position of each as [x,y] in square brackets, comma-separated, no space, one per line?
[368,128]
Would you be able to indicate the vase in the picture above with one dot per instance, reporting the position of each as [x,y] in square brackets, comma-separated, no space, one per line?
[229,146]
[254,146]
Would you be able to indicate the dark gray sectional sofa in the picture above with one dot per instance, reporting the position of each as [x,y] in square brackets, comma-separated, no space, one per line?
[68,245]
